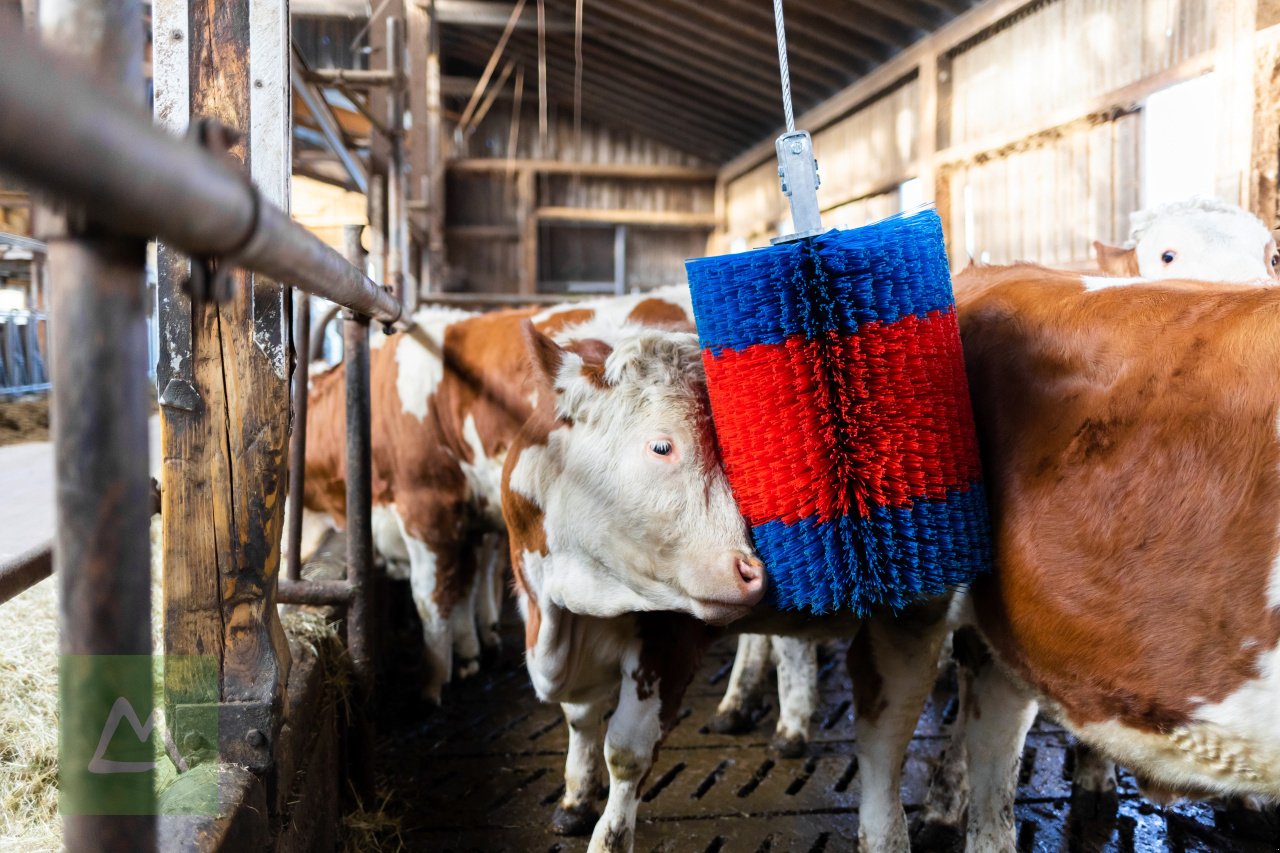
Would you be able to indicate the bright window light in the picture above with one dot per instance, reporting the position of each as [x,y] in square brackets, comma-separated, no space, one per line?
[1179,141]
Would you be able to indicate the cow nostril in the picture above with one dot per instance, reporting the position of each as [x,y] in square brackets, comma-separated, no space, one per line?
[750,572]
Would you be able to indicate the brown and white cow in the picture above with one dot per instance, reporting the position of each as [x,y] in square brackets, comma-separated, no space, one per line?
[448,399]
[624,534]
[1130,438]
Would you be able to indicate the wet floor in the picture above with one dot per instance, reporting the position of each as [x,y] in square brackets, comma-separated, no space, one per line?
[484,774]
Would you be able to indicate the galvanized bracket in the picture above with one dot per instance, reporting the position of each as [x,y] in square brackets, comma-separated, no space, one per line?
[798,171]
[245,733]
[175,370]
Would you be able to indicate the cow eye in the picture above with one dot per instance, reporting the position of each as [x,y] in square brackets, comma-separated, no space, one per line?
[1168,256]
[661,448]
[1275,261]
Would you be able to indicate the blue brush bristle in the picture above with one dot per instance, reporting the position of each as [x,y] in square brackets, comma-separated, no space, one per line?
[838,391]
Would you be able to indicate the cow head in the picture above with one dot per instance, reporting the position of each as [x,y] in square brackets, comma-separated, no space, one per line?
[636,510]
[1202,239]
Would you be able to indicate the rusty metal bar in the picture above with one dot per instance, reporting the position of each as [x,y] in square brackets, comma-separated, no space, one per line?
[397,223]
[99,150]
[315,593]
[102,547]
[24,571]
[318,328]
[360,639]
[298,442]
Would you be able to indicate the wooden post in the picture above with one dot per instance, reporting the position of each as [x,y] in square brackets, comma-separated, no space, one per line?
[426,139]
[1264,195]
[927,117]
[1234,69]
[526,216]
[225,392]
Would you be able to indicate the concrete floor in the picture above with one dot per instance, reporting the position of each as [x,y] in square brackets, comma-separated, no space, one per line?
[27,493]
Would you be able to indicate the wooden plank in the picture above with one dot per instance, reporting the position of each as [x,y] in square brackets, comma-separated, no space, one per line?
[526,201]
[1264,199]
[927,127]
[489,13]
[1125,99]
[224,474]
[603,170]
[656,218]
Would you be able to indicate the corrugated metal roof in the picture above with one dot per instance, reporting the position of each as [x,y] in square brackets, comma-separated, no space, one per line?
[702,75]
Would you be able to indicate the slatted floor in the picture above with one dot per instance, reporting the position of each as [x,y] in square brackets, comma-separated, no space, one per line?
[484,774]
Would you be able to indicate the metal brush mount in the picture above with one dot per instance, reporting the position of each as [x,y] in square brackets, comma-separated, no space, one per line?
[798,171]
[796,164]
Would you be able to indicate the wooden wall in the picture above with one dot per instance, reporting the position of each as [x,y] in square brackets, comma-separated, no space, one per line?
[548,216]
[1023,121]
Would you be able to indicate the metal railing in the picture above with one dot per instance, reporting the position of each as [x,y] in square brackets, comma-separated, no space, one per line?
[124,181]
[22,361]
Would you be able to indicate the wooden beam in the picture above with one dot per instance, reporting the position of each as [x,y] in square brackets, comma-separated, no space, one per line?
[328,125]
[14,198]
[225,389]
[1264,190]
[639,171]
[649,218]
[526,217]
[483,232]
[1125,99]
[489,13]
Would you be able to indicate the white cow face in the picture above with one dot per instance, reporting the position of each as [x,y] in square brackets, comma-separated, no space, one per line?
[638,513]
[1207,245]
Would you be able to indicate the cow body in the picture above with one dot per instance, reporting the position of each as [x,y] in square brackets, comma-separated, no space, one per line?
[617,507]
[1133,467]
[448,399]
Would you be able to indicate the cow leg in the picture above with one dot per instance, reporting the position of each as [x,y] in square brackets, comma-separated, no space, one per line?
[797,662]
[489,604]
[436,633]
[997,720]
[583,769]
[942,821]
[746,681]
[1093,784]
[892,663]
[629,748]
[462,627]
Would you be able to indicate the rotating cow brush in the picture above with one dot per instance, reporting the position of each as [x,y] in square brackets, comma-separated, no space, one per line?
[840,402]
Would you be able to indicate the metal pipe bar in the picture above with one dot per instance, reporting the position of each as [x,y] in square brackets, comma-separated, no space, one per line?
[359,527]
[298,442]
[318,330]
[102,547]
[328,124]
[397,226]
[24,571]
[315,593]
[101,151]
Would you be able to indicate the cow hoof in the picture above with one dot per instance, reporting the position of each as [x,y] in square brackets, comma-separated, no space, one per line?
[937,837]
[733,722]
[575,820]
[466,667]
[431,695]
[789,746]
[1088,804]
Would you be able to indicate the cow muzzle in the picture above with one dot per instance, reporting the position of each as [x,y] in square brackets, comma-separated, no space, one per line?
[740,586]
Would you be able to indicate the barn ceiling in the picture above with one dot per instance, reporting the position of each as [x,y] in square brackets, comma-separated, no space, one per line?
[702,75]
[699,75]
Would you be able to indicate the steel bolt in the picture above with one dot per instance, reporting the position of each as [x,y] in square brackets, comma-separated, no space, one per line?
[796,148]
[255,737]
[177,35]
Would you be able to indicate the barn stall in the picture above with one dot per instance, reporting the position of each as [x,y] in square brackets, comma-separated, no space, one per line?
[509,154]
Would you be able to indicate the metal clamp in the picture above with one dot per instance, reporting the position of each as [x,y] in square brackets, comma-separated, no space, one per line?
[210,278]
[798,171]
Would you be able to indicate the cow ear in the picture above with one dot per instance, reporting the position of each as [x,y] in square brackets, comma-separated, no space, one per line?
[1114,260]
[545,355]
